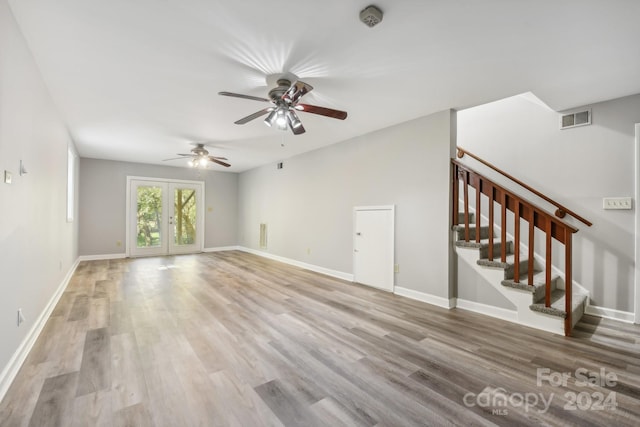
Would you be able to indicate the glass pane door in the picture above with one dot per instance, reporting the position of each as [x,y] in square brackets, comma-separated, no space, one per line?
[184,218]
[148,216]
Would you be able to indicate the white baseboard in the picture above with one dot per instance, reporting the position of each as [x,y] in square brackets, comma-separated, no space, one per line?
[315,268]
[610,313]
[447,303]
[101,257]
[11,369]
[222,249]
[488,310]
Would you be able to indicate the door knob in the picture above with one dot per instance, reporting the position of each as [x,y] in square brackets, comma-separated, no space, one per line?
[358,234]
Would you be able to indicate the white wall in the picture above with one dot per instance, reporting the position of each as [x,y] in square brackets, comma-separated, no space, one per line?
[102,207]
[577,167]
[37,245]
[308,205]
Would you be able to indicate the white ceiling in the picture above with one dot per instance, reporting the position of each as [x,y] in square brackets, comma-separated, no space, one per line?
[137,80]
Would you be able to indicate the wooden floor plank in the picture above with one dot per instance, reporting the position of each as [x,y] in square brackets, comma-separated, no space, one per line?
[95,371]
[233,339]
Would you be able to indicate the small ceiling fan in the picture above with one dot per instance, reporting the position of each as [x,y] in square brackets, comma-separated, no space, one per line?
[285,103]
[199,156]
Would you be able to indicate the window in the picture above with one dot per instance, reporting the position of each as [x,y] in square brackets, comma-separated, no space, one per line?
[71,178]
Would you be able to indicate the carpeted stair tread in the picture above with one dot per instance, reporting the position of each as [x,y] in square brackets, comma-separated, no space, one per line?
[508,266]
[557,307]
[538,289]
[484,244]
[497,263]
[484,231]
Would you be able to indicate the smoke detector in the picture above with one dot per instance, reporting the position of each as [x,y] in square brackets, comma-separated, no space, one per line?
[371,16]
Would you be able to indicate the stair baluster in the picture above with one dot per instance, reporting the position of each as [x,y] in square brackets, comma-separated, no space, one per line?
[516,243]
[532,231]
[492,193]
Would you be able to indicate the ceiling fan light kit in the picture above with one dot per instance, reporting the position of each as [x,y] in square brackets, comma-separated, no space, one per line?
[285,98]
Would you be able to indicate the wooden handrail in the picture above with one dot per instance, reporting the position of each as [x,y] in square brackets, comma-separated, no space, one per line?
[522,209]
[561,210]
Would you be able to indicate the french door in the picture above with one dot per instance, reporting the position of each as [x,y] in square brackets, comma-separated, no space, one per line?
[164,217]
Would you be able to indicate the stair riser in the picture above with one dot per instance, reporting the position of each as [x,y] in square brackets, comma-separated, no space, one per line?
[497,248]
[484,232]
[472,218]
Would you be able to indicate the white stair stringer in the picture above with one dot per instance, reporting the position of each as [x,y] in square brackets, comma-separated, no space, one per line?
[522,299]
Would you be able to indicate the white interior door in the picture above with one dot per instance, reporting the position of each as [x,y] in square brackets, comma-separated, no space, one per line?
[164,217]
[373,254]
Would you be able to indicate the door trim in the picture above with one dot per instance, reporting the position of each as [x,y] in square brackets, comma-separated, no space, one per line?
[391,208]
[637,228]
[200,208]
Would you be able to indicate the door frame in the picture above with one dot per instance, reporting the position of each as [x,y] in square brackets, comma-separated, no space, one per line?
[199,210]
[637,221]
[391,231]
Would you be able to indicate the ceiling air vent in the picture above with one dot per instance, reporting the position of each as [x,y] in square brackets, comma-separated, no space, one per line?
[571,120]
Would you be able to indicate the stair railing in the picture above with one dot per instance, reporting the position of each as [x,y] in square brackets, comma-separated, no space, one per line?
[536,217]
[560,212]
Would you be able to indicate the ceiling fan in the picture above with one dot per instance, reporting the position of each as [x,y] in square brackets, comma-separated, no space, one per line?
[199,156]
[285,103]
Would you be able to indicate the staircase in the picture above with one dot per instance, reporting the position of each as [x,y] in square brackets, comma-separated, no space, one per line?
[529,299]
[544,296]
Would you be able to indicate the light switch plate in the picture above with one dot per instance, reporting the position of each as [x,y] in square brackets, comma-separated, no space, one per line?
[617,203]
[7,177]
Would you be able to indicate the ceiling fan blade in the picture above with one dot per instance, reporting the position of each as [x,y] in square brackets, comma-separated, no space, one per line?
[323,111]
[174,158]
[297,91]
[220,162]
[253,116]
[188,155]
[239,95]
[218,158]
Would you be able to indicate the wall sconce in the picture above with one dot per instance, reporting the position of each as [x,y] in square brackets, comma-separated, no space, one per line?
[23,170]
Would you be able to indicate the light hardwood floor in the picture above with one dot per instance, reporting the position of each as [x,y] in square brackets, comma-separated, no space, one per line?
[232,339]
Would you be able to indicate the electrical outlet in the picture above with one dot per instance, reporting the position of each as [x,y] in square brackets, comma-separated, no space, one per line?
[396,268]
[308,251]
[7,177]
[118,243]
[617,203]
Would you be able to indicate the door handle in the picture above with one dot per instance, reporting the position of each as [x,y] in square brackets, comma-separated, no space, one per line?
[358,234]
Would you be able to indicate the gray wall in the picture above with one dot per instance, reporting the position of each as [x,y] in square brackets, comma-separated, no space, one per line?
[577,167]
[103,203]
[308,205]
[37,244]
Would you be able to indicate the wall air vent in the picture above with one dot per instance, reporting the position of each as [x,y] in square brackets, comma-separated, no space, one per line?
[571,120]
[263,236]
